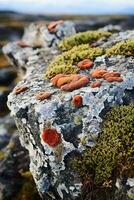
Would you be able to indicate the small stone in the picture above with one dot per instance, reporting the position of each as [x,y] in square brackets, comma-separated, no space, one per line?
[85,64]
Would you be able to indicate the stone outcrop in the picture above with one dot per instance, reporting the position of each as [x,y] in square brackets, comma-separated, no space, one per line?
[53,129]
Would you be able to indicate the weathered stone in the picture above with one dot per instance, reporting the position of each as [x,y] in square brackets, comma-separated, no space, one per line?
[50,164]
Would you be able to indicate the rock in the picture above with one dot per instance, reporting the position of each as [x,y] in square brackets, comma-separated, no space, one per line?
[38,35]
[50,158]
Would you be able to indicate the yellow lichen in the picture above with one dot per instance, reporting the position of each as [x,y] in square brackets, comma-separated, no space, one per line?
[125,48]
[82,38]
[65,63]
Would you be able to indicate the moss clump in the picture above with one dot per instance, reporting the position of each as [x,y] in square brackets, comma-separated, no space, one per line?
[64,63]
[114,148]
[82,38]
[122,48]
[28,190]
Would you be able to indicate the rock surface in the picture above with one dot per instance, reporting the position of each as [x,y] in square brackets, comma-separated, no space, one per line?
[50,165]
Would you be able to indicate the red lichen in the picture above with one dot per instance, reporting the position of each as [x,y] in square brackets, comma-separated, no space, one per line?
[20,89]
[98,73]
[51,27]
[77,100]
[51,137]
[114,79]
[43,95]
[85,64]
[96,84]
[81,82]
[22,44]
[111,74]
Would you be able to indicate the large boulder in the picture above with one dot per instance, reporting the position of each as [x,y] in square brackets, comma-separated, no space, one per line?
[59,117]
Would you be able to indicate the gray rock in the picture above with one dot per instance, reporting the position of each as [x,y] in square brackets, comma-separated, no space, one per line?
[38,34]
[50,166]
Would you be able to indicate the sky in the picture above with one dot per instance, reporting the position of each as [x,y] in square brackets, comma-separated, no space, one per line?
[69,6]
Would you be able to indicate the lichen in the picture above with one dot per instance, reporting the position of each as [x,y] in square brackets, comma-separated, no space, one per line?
[122,48]
[113,149]
[70,82]
[28,189]
[65,63]
[82,38]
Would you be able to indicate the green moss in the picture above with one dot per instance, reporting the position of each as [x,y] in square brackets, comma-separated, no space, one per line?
[28,190]
[122,48]
[82,38]
[114,148]
[65,63]
[2,155]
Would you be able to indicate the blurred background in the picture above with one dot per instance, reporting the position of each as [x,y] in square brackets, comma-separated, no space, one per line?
[15,178]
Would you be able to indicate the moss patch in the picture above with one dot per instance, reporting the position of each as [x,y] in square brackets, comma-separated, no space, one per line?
[122,48]
[65,62]
[82,38]
[114,148]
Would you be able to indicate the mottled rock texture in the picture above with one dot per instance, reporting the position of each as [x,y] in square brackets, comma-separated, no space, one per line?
[78,126]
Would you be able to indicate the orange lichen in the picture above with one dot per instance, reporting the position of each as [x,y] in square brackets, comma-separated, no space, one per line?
[98,73]
[81,82]
[77,100]
[96,84]
[51,137]
[22,44]
[113,79]
[55,79]
[85,64]
[51,27]
[20,89]
[65,80]
[111,74]
[70,82]
[43,95]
